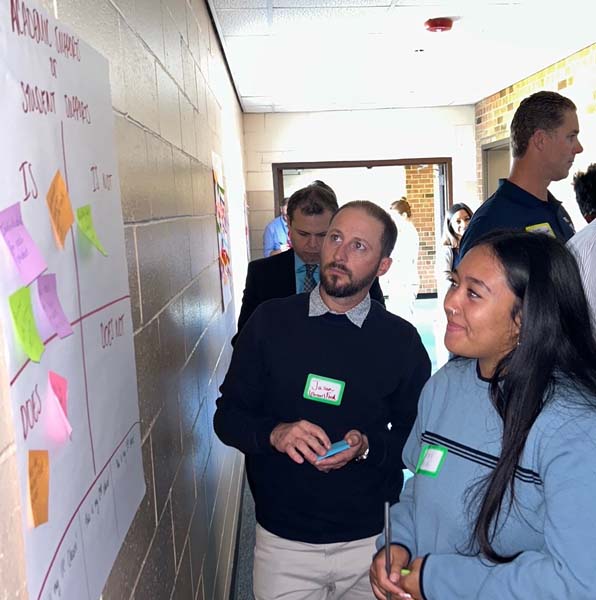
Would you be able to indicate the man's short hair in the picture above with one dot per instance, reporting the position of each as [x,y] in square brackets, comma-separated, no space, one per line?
[314,199]
[542,110]
[389,235]
[325,186]
[584,185]
[283,202]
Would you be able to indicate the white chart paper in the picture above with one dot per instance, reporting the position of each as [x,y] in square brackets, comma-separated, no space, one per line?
[57,118]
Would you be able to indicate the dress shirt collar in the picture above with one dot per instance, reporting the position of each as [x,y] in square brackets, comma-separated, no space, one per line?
[357,314]
[299,264]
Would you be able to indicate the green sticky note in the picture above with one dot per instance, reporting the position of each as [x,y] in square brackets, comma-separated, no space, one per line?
[85,222]
[24,324]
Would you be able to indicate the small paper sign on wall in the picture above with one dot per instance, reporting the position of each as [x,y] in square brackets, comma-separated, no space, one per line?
[223,231]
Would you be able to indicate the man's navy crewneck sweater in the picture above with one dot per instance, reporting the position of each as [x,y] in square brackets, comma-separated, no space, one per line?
[384,367]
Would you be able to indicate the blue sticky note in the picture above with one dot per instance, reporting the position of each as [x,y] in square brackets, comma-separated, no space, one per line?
[335,448]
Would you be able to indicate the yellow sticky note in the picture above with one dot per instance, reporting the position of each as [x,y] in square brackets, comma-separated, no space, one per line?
[85,222]
[60,208]
[24,324]
[39,485]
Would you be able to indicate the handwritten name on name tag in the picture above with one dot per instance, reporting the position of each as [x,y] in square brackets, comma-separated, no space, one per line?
[324,389]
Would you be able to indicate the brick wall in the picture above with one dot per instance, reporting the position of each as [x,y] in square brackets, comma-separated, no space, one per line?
[170,94]
[573,76]
[420,192]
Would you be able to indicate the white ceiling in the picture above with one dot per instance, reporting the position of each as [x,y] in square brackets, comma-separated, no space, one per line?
[307,55]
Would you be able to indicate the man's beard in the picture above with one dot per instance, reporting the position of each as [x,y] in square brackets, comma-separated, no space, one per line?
[332,287]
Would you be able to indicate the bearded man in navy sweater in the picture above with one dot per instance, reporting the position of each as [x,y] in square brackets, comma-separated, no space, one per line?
[310,370]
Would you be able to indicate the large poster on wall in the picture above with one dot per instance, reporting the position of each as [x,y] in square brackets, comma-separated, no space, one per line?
[65,306]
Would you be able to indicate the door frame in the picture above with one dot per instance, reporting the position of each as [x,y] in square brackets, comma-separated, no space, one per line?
[485,149]
[279,168]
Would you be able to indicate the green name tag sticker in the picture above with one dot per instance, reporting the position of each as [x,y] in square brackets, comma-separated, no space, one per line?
[431,460]
[324,389]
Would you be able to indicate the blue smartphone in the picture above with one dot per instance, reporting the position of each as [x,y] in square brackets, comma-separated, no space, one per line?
[335,448]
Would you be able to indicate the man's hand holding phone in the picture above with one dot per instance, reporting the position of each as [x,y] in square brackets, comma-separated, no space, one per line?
[303,440]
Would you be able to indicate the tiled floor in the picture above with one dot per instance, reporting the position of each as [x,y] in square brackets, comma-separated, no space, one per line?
[427,321]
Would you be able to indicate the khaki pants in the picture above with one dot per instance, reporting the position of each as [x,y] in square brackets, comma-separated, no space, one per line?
[299,571]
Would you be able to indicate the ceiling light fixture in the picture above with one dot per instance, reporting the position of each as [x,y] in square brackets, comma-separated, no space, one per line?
[439,24]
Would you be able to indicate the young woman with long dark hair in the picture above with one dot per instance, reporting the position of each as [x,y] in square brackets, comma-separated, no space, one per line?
[456,222]
[502,504]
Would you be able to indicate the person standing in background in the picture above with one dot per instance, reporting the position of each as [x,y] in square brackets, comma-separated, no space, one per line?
[583,243]
[402,283]
[456,222]
[276,238]
[584,185]
[544,142]
[296,271]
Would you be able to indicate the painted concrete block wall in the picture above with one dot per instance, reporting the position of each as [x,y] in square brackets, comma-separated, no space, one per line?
[354,135]
[173,104]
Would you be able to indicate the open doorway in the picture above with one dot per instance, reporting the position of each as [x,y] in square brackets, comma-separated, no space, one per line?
[496,161]
[425,182]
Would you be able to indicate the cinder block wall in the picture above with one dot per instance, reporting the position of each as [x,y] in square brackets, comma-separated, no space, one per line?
[574,77]
[171,98]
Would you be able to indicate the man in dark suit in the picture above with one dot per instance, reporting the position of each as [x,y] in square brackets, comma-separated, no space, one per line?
[297,270]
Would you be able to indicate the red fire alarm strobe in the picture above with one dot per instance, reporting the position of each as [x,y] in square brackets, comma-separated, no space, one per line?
[439,24]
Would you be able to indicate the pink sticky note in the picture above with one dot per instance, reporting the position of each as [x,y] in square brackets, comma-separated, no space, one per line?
[25,253]
[57,424]
[48,297]
[60,387]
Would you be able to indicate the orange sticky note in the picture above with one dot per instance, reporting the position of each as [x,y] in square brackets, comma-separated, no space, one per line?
[61,215]
[39,485]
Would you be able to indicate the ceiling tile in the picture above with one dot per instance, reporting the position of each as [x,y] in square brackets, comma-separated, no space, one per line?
[354,54]
[243,21]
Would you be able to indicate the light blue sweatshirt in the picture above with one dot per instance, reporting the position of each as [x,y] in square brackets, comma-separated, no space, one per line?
[552,522]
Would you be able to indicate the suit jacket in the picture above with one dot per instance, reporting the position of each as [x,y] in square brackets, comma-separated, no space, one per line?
[274,277]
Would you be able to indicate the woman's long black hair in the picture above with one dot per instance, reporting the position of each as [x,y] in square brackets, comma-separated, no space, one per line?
[556,346]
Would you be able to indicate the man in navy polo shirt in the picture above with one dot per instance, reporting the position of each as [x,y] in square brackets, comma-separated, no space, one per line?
[544,142]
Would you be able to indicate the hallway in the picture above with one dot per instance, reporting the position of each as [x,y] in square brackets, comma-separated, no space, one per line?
[135,105]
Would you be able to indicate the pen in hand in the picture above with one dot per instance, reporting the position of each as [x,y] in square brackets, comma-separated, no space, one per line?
[387,531]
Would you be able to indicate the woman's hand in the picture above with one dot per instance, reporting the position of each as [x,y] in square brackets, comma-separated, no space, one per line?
[381,583]
[411,582]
